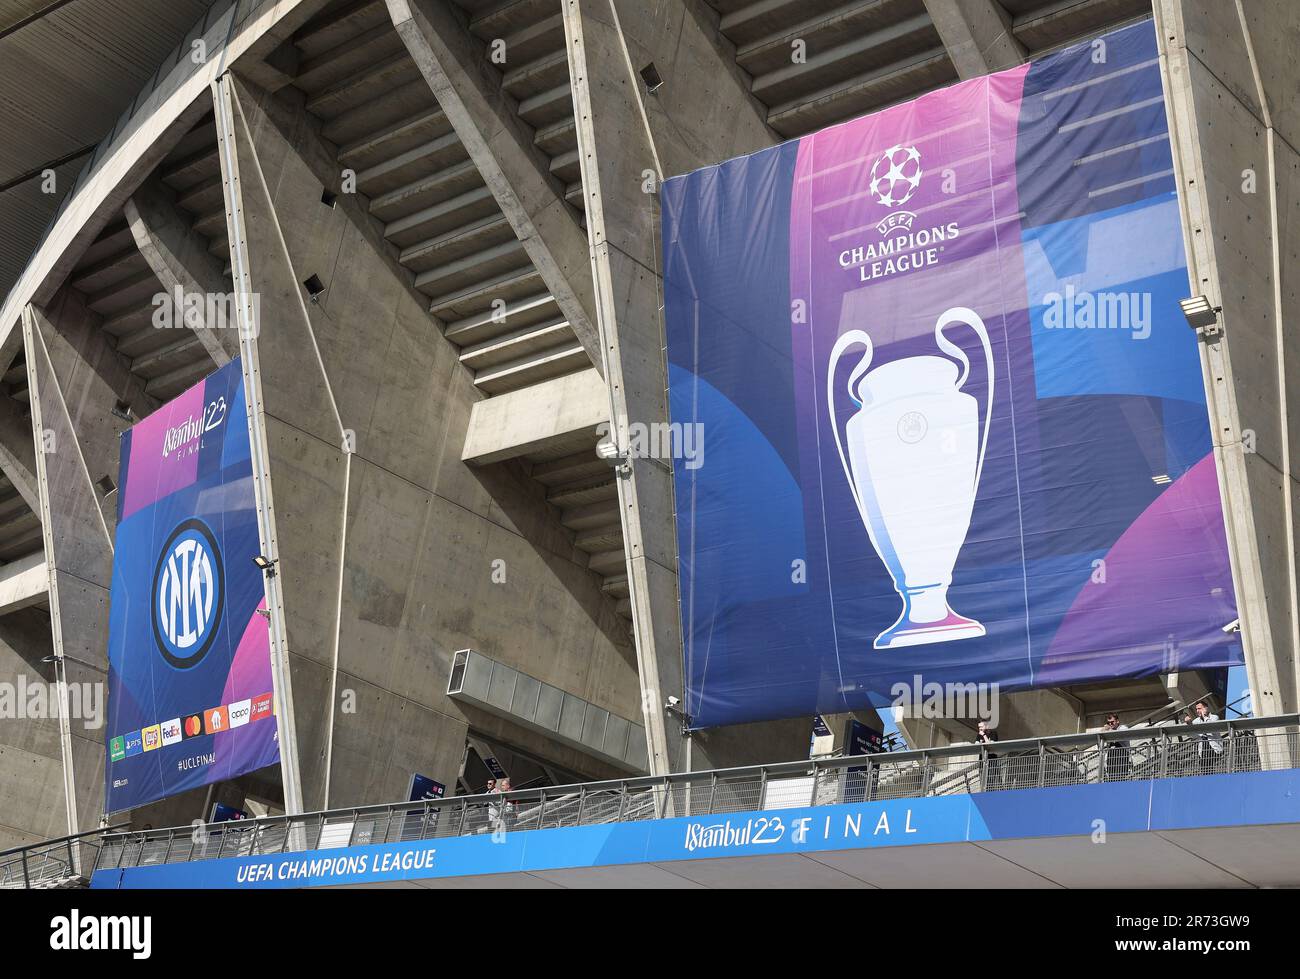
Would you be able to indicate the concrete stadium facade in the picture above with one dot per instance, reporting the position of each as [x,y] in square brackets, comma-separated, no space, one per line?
[447,212]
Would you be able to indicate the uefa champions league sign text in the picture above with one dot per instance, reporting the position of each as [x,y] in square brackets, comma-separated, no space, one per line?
[912,454]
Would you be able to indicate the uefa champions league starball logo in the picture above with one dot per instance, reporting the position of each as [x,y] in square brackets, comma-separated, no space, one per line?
[188,593]
[896,175]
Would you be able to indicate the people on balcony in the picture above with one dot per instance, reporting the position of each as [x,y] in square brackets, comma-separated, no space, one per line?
[1118,761]
[993,768]
[1209,746]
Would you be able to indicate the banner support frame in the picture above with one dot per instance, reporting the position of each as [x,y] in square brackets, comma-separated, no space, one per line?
[290,771]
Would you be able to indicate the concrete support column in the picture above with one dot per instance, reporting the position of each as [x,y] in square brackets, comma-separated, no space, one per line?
[1024,714]
[628,140]
[270,292]
[23,582]
[555,412]
[32,755]
[17,453]
[486,118]
[1230,78]
[393,553]
[181,261]
[977,35]
[76,381]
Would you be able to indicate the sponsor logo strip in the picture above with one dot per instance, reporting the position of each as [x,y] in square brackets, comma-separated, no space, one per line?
[211,721]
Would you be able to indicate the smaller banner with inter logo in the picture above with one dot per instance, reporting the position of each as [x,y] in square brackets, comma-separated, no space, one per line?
[189,679]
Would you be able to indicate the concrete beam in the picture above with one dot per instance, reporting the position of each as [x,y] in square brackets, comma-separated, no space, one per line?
[32,749]
[702,115]
[387,540]
[284,115]
[272,61]
[273,66]
[159,122]
[1035,713]
[251,223]
[486,118]
[526,421]
[181,260]
[75,382]
[82,361]
[18,451]
[977,35]
[23,582]
[1023,714]
[1189,686]
[1228,89]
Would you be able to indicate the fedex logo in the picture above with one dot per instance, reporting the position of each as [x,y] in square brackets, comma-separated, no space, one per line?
[171,731]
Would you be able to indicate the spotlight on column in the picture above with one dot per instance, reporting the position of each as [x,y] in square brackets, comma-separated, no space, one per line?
[314,287]
[266,564]
[1233,626]
[653,81]
[673,708]
[1201,316]
[608,450]
[123,411]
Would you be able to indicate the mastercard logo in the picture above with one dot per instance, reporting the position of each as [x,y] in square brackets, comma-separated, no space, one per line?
[193,726]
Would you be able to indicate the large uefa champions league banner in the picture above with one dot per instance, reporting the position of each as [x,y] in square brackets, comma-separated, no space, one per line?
[189,681]
[954,420]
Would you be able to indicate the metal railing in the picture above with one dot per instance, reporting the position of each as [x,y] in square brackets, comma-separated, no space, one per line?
[66,861]
[1252,744]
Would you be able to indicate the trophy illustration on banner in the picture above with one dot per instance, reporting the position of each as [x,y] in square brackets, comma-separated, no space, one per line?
[912,454]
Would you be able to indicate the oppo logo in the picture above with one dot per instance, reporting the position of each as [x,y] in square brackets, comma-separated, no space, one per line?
[241,712]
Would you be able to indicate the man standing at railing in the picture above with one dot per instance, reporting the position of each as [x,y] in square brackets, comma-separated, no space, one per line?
[492,808]
[1118,763]
[507,809]
[1209,747]
[992,767]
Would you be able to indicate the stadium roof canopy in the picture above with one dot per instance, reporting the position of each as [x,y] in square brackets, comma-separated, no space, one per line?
[68,69]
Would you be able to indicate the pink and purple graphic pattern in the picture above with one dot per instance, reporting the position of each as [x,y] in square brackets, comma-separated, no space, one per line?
[954,419]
